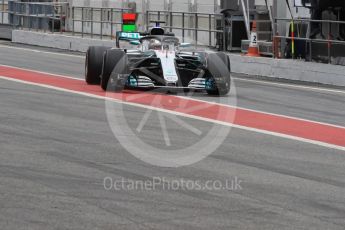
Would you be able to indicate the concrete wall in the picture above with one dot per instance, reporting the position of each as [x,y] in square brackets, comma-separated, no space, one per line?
[297,70]
[59,41]
[5,31]
[266,67]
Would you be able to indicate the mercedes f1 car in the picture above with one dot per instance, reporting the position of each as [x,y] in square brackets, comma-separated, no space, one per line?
[158,62]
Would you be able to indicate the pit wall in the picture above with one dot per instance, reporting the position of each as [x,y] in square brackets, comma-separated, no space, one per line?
[296,70]
[59,41]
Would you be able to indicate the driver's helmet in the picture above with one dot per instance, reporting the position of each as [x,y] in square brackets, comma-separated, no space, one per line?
[155,44]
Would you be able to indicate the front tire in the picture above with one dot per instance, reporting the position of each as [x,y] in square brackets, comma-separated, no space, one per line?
[115,60]
[218,74]
[93,64]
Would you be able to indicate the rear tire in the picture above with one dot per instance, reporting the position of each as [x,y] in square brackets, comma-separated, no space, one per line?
[93,64]
[218,70]
[114,60]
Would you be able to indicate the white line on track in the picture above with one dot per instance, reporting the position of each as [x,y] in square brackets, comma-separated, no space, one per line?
[198,100]
[183,115]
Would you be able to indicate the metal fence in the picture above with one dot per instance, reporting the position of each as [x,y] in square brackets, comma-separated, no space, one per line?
[200,28]
[104,22]
[38,15]
[330,46]
[93,22]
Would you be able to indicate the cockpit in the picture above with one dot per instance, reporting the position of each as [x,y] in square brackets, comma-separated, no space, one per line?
[155,44]
[159,43]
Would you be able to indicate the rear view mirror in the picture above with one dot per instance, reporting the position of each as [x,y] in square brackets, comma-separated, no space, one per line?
[136,43]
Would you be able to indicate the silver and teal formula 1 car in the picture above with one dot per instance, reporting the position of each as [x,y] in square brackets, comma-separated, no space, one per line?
[157,62]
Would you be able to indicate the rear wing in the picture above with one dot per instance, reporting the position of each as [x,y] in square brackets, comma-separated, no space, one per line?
[127,36]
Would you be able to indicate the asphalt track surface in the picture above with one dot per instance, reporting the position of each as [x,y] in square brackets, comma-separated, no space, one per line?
[57,148]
